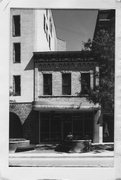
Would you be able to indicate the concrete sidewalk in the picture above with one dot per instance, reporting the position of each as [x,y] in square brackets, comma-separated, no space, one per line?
[89,159]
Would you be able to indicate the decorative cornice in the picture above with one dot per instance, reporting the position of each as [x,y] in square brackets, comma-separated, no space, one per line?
[64,56]
[64,65]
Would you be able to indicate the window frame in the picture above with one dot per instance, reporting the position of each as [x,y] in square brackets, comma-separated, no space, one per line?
[48,85]
[85,72]
[66,85]
[15,53]
[14,26]
[14,85]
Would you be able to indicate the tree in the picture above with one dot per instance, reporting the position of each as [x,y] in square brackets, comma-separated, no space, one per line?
[103,48]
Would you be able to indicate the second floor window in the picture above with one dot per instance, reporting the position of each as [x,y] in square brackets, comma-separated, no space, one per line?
[16,53]
[47,84]
[17,85]
[66,84]
[16,25]
[85,83]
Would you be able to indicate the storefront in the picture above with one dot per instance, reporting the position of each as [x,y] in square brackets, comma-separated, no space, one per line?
[56,121]
[55,127]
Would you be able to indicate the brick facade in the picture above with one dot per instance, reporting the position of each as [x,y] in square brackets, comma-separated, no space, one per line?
[22,114]
[59,105]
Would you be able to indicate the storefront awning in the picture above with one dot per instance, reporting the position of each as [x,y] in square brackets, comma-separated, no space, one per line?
[64,106]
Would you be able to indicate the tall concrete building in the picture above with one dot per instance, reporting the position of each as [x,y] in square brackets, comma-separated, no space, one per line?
[31,30]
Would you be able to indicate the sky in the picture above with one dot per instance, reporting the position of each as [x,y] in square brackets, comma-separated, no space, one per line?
[74,26]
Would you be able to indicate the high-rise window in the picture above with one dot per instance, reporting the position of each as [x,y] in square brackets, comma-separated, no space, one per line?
[66,84]
[47,84]
[16,25]
[85,83]
[16,52]
[17,85]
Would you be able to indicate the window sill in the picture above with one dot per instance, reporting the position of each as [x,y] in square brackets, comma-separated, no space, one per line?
[16,36]
[16,95]
[16,62]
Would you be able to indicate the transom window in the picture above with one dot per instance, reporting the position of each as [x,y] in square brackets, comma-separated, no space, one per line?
[47,84]
[66,83]
[85,83]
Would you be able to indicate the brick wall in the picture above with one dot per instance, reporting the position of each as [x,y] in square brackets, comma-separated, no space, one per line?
[28,119]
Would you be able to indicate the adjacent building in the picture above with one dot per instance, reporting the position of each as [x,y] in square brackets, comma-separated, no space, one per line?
[31,30]
[106,23]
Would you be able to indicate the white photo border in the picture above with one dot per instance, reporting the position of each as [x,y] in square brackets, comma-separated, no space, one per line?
[54,173]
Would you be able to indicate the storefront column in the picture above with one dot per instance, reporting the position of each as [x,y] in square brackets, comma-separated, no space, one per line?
[91,80]
[100,134]
[97,76]
[96,128]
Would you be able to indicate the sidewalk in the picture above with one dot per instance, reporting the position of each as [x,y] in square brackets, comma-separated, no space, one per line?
[35,153]
[98,158]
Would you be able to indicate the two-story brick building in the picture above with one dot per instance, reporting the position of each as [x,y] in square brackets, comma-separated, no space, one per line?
[61,81]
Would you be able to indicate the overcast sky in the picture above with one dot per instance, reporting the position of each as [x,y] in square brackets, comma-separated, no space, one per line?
[74,26]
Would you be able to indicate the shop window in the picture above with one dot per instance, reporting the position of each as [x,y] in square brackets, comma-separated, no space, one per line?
[47,82]
[16,52]
[16,25]
[17,85]
[66,84]
[85,83]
